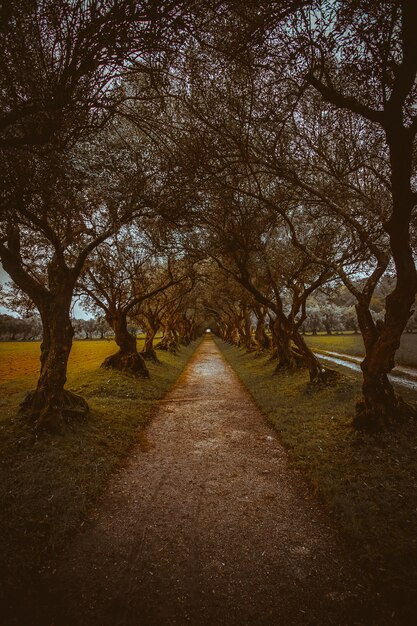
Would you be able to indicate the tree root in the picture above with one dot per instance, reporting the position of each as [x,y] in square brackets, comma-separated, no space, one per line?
[130,362]
[324,377]
[260,352]
[150,355]
[286,367]
[50,414]
[293,361]
[293,365]
[167,346]
[382,415]
[274,355]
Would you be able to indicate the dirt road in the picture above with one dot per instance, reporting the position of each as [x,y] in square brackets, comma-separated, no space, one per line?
[209,526]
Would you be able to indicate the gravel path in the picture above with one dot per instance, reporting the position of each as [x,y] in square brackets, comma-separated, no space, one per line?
[209,526]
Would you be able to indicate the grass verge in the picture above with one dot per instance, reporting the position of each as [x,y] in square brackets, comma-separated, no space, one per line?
[367,482]
[47,485]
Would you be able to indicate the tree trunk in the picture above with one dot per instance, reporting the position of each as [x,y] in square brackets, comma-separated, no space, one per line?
[168,341]
[127,359]
[247,332]
[318,374]
[380,405]
[231,334]
[228,334]
[262,340]
[291,358]
[282,342]
[50,404]
[185,331]
[148,352]
[235,337]
[284,353]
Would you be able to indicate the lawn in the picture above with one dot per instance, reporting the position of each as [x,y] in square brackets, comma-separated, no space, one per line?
[367,482]
[353,344]
[48,484]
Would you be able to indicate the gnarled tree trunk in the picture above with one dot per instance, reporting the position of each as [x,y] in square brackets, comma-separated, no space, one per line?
[247,331]
[127,359]
[380,404]
[292,357]
[148,352]
[318,374]
[185,330]
[262,340]
[282,342]
[169,341]
[235,337]
[50,403]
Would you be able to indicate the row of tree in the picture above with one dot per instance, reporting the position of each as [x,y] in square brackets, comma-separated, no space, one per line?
[23,328]
[245,157]
[307,145]
[329,311]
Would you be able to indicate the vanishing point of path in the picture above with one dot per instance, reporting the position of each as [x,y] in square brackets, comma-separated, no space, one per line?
[209,526]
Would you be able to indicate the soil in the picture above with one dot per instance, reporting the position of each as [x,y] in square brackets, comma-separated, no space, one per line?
[208,525]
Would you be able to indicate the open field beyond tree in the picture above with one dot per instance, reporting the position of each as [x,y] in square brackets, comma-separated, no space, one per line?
[19,360]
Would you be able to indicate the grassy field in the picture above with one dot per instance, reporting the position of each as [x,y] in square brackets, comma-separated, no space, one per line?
[367,482]
[19,360]
[47,485]
[353,344]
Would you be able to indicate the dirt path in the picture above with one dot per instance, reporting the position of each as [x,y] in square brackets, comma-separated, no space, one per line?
[209,526]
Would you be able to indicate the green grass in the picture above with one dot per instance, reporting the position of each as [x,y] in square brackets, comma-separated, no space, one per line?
[368,483]
[353,344]
[48,484]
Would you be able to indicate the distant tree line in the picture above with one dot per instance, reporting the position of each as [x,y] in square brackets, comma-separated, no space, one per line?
[20,328]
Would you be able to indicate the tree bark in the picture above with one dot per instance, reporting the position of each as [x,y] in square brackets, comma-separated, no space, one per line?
[127,359]
[380,405]
[262,340]
[282,342]
[318,374]
[185,330]
[168,341]
[148,352]
[293,357]
[50,403]
[247,330]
